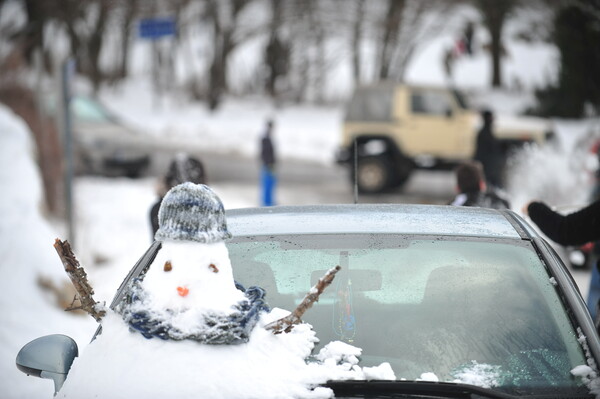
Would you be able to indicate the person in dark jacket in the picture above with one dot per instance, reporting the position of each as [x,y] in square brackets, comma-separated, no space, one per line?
[577,228]
[489,151]
[183,168]
[472,188]
[268,160]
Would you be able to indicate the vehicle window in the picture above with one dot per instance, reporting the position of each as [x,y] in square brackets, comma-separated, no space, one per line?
[430,102]
[87,110]
[424,305]
[372,104]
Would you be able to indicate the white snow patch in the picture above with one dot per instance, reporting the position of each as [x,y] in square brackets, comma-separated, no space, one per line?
[428,377]
[483,375]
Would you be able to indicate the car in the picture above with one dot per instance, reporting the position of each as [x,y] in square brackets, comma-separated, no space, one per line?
[459,301]
[102,143]
[389,129]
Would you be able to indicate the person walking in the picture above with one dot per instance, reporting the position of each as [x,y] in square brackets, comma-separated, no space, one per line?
[472,188]
[267,174]
[577,228]
[489,151]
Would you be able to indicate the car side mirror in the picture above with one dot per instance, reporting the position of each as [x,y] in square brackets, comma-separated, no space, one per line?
[50,357]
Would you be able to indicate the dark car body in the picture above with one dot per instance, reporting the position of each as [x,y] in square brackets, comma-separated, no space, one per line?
[472,300]
[102,143]
[429,289]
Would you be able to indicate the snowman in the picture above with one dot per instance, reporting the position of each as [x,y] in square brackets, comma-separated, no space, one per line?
[188,292]
[187,305]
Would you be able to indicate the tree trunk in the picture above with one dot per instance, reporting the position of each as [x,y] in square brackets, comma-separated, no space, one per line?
[95,47]
[356,40]
[494,14]
[391,28]
[224,45]
[131,8]
[37,15]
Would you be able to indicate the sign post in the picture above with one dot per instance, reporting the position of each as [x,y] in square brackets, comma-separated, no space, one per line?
[68,70]
[155,29]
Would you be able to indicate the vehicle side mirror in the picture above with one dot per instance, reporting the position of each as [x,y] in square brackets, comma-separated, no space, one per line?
[50,357]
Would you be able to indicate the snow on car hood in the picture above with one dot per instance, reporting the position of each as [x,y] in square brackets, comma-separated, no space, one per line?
[120,364]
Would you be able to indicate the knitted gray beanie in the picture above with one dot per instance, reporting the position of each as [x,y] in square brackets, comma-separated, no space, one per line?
[192,212]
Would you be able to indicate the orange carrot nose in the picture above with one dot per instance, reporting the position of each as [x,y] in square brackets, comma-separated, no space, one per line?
[183,291]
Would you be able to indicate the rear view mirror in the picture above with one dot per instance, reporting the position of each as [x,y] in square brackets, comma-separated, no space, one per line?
[362,279]
[49,357]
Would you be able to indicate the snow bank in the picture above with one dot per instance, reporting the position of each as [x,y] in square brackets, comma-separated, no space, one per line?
[305,132]
[268,366]
[27,253]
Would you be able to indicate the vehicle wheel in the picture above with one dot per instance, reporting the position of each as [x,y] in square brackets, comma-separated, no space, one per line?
[404,168]
[374,174]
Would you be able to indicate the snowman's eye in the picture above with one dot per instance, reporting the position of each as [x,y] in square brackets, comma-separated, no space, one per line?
[213,268]
[168,266]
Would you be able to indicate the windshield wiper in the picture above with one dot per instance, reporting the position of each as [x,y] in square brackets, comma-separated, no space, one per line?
[424,388]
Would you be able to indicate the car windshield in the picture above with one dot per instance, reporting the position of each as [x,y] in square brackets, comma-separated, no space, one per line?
[447,306]
[87,110]
[371,104]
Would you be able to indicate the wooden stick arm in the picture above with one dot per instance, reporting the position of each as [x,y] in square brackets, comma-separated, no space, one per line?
[285,324]
[79,279]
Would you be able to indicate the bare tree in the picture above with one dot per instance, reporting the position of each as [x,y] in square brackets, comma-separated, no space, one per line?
[405,25]
[356,40]
[494,15]
[125,16]
[223,16]
[277,52]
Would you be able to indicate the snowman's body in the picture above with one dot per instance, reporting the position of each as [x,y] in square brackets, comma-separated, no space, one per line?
[188,297]
[190,277]
[189,291]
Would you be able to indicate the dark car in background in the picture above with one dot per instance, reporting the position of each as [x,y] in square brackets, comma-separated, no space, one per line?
[102,143]
[459,301]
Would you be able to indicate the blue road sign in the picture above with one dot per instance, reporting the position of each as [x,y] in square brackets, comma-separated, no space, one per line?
[155,28]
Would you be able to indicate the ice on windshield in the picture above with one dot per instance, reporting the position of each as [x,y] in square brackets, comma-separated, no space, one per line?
[411,219]
[459,310]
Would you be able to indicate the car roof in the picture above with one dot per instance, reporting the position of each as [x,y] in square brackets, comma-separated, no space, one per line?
[378,218]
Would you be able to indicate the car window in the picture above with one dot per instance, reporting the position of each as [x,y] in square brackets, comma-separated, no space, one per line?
[430,103]
[424,305]
[87,110]
[373,104]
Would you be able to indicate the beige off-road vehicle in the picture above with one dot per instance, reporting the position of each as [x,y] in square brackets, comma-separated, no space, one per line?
[391,129]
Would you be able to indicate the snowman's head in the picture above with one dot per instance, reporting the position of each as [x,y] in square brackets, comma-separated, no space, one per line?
[192,212]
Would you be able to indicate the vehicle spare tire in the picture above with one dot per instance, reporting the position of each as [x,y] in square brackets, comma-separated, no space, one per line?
[402,171]
[373,174]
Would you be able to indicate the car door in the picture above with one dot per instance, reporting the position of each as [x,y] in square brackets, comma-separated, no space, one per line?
[434,124]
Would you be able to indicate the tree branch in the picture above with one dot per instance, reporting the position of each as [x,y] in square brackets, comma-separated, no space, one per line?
[79,279]
[285,324]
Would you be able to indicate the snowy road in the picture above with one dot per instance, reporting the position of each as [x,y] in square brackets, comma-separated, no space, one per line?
[312,182]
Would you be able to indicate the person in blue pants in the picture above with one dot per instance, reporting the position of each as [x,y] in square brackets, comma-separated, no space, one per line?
[268,178]
[577,228]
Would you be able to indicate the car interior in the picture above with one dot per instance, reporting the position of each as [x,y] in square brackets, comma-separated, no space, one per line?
[424,306]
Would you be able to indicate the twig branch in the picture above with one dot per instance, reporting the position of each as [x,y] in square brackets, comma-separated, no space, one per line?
[285,324]
[79,279]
